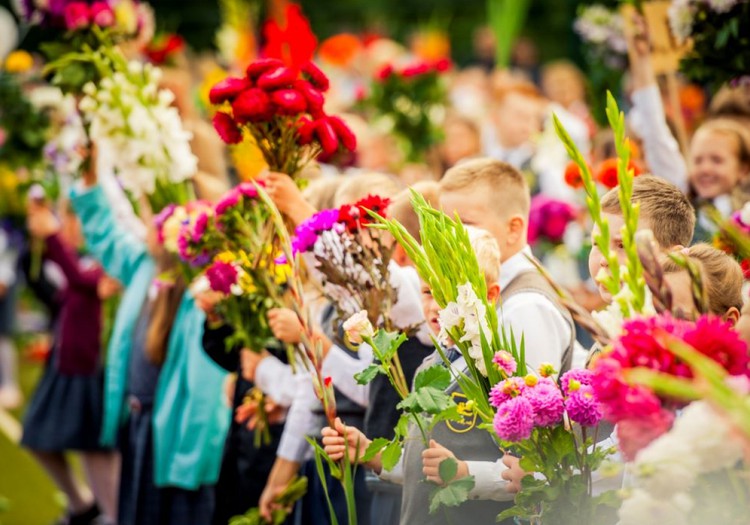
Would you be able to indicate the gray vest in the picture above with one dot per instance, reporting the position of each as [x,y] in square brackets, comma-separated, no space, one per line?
[468,443]
[533,281]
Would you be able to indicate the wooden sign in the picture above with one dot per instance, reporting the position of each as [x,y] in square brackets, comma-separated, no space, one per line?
[666,52]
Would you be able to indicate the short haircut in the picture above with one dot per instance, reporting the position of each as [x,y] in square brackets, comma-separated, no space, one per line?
[721,274]
[487,252]
[356,187]
[668,210]
[520,87]
[502,182]
[402,210]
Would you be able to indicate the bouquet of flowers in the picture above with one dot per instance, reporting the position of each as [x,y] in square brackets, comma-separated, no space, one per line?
[349,259]
[548,221]
[720,36]
[130,118]
[281,109]
[733,236]
[602,29]
[410,103]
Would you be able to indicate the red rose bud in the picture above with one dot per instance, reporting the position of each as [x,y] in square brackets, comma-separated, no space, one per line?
[346,136]
[289,101]
[227,128]
[77,16]
[314,97]
[305,131]
[326,136]
[227,90]
[384,72]
[276,78]
[415,70]
[252,105]
[258,67]
[316,76]
[102,15]
[442,65]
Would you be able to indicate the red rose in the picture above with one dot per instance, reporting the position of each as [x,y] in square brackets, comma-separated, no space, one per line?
[313,96]
[252,105]
[305,131]
[102,15]
[326,135]
[276,78]
[442,65]
[316,77]
[384,72]
[573,175]
[345,135]
[289,101]
[227,128]
[258,67]
[77,16]
[227,90]
[415,70]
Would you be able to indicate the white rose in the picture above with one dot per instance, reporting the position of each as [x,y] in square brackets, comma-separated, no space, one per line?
[358,326]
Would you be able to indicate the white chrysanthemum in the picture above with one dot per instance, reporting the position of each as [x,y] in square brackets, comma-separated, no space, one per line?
[641,508]
[666,466]
[681,17]
[722,6]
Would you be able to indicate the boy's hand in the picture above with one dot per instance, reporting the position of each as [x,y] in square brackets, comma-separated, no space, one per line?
[514,474]
[287,197]
[207,302]
[249,361]
[436,454]
[40,221]
[285,325]
[341,439]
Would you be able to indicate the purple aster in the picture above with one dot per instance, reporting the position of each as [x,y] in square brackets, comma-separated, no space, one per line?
[323,220]
[201,259]
[514,420]
[230,200]
[547,401]
[581,375]
[304,238]
[583,407]
[221,276]
[505,362]
[506,390]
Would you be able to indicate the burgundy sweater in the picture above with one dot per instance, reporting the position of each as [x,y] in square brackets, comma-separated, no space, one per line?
[78,331]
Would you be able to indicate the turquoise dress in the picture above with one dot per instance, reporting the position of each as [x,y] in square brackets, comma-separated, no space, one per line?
[190,419]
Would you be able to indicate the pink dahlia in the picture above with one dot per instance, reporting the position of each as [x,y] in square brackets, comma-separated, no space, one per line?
[228,201]
[547,401]
[579,376]
[583,407]
[514,420]
[506,390]
[505,362]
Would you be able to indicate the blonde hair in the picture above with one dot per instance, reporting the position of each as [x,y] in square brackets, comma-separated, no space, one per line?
[722,277]
[730,128]
[356,187]
[402,210]
[501,181]
[668,210]
[321,192]
[487,252]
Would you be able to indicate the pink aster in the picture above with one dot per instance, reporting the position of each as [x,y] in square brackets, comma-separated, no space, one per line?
[229,200]
[547,401]
[583,407]
[514,420]
[505,362]
[199,228]
[221,276]
[505,390]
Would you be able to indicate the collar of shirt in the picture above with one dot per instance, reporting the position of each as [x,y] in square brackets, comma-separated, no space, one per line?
[514,266]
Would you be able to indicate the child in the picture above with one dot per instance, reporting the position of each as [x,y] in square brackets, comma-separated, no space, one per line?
[159,382]
[478,455]
[66,411]
[722,283]
[719,166]
[463,140]
[494,196]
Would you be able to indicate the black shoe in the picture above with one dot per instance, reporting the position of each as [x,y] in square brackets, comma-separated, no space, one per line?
[86,517]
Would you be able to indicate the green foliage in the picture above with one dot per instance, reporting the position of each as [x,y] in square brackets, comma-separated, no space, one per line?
[293,492]
[25,126]
[452,492]
[506,18]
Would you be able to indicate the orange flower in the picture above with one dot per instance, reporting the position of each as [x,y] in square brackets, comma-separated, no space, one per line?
[607,173]
[573,175]
[340,50]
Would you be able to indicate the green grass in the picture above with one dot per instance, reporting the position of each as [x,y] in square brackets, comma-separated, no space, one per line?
[30,496]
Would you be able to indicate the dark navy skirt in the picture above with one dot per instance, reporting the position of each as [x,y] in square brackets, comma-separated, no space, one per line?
[65,412]
[141,502]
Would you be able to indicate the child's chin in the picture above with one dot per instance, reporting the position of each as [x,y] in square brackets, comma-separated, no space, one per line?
[604,294]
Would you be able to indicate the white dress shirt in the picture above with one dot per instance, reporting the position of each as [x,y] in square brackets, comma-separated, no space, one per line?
[545,331]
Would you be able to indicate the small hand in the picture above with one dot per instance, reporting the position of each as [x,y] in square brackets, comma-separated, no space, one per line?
[514,474]
[434,456]
[267,503]
[285,325]
[207,302]
[342,439]
[107,287]
[40,221]
[249,361]
[287,196]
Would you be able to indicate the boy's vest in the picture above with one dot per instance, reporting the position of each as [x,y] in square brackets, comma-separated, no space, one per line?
[532,281]
[468,443]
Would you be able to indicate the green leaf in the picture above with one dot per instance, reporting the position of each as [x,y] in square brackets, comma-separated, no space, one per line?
[391,454]
[436,376]
[367,375]
[452,495]
[432,400]
[448,469]
[376,445]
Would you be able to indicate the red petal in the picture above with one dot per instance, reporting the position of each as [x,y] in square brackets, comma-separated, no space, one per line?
[227,128]
[345,135]
[227,90]
[316,76]
[260,66]
[289,101]
[277,78]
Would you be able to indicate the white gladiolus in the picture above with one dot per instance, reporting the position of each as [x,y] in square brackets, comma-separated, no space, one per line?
[358,326]
[469,315]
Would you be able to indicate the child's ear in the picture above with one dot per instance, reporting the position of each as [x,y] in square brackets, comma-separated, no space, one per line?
[493,292]
[516,230]
[732,315]
[399,256]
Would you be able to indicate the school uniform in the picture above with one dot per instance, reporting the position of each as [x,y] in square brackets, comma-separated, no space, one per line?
[175,438]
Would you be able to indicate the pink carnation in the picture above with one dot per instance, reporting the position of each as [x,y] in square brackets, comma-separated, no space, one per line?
[716,339]
[619,399]
[583,407]
[636,433]
[229,200]
[505,362]
[547,401]
[199,228]
[506,390]
[514,420]
[221,276]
